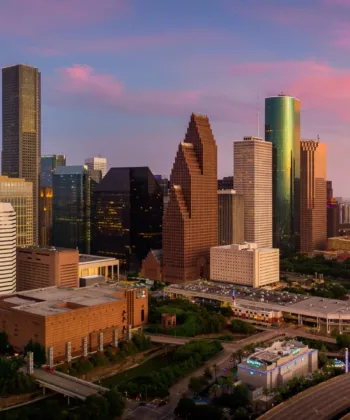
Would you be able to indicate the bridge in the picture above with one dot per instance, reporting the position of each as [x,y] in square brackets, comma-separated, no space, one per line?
[67,385]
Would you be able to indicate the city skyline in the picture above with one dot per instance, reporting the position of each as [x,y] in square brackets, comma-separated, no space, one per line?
[93,88]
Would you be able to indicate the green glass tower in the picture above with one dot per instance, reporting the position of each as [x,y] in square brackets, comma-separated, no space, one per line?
[282,129]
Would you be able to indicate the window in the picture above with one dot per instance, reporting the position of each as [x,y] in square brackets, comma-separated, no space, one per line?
[142,315]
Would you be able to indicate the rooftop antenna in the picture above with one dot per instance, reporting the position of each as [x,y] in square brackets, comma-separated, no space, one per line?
[318,138]
[257,114]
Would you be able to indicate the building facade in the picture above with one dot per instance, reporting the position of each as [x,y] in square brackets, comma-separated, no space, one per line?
[163,182]
[19,193]
[71,208]
[332,218]
[97,164]
[275,366]
[48,167]
[152,265]
[44,267]
[245,264]
[253,179]
[7,249]
[282,129]
[83,320]
[21,129]
[225,183]
[230,217]
[127,216]
[93,265]
[46,216]
[190,223]
[313,196]
[329,190]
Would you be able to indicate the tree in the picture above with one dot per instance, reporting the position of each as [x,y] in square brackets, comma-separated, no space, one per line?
[343,340]
[185,408]
[208,373]
[215,368]
[197,383]
[38,351]
[116,403]
[241,414]
[4,344]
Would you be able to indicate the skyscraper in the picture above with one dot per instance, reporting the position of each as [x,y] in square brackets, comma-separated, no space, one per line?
[127,216]
[21,129]
[97,164]
[230,217]
[190,223]
[329,190]
[282,129]
[333,214]
[163,181]
[49,164]
[313,196]
[19,193]
[7,249]
[253,179]
[226,183]
[71,208]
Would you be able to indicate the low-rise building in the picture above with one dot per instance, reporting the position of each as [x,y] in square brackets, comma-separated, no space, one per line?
[245,264]
[73,322]
[339,243]
[152,265]
[274,366]
[93,265]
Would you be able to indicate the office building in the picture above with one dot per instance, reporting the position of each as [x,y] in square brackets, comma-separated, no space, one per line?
[45,216]
[21,129]
[339,243]
[275,366]
[332,218]
[163,182]
[19,193]
[230,217]
[313,196]
[127,219]
[226,183]
[7,249]
[49,164]
[73,322]
[71,208]
[245,264]
[44,267]
[97,164]
[190,223]
[344,213]
[253,179]
[329,190]
[282,129]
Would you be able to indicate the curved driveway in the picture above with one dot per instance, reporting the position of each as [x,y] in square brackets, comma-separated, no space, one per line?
[321,402]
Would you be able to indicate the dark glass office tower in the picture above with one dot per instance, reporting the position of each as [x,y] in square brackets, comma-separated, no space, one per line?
[21,129]
[71,208]
[282,129]
[49,164]
[127,219]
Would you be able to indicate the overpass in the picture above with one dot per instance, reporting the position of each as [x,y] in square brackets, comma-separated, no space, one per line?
[324,401]
[67,385]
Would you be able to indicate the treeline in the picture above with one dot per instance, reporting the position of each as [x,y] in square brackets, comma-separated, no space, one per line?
[185,360]
[12,381]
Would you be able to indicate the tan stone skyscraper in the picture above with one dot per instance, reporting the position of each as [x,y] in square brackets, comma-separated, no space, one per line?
[190,223]
[313,196]
[21,129]
[253,179]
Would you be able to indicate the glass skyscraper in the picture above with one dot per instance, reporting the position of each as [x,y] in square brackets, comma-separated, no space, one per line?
[49,164]
[21,129]
[71,208]
[282,129]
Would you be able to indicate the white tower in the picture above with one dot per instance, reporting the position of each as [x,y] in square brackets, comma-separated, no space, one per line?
[7,249]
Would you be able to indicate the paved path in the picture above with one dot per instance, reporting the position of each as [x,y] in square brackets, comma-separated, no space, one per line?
[322,402]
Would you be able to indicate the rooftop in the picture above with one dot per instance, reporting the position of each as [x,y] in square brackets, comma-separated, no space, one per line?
[44,248]
[85,258]
[278,350]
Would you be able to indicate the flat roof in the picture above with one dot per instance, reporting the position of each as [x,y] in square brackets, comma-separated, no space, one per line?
[54,300]
[85,258]
[44,248]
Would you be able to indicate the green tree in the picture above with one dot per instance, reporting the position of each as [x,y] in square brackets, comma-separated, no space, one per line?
[38,351]
[208,373]
[4,344]
[116,403]
[185,408]
[241,414]
[343,340]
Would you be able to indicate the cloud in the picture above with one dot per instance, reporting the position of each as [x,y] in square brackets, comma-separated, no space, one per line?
[31,17]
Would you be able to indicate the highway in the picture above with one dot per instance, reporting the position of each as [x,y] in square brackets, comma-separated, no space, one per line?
[321,402]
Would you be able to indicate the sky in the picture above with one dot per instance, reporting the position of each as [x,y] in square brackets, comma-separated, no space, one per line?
[120,78]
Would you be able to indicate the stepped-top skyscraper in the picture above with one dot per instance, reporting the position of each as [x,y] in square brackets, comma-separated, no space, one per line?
[21,129]
[190,223]
[282,129]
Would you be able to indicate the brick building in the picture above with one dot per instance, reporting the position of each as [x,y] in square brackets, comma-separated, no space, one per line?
[190,223]
[44,267]
[88,318]
[152,265]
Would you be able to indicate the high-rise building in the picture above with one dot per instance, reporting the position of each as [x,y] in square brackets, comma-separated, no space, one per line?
[282,129]
[253,179]
[7,249]
[313,196]
[332,218]
[71,208]
[127,219]
[190,223]
[49,164]
[230,217]
[21,129]
[226,183]
[98,164]
[163,182]
[329,190]
[344,213]
[19,193]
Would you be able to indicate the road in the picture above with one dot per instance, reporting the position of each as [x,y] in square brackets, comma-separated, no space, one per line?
[321,402]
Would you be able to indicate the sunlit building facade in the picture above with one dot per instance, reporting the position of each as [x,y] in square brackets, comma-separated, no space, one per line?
[71,208]
[19,193]
[45,216]
[282,129]
[21,129]
[127,216]
[7,249]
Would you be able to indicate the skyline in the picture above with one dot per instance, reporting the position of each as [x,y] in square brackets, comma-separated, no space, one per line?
[121,80]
